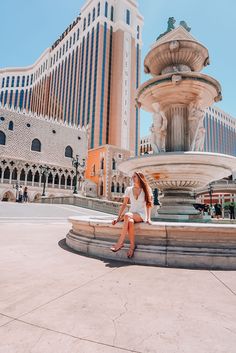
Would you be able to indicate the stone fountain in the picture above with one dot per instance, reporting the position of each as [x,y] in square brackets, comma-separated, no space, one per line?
[177,96]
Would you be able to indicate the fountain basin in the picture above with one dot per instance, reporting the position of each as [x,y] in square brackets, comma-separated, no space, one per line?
[181,170]
[164,244]
[191,54]
[178,175]
[179,88]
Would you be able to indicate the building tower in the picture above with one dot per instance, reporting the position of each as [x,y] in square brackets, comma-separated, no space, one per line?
[89,76]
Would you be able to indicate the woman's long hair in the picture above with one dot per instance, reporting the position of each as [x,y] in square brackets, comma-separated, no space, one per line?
[145,187]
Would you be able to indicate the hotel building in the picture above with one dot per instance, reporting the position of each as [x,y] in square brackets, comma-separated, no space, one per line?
[88,77]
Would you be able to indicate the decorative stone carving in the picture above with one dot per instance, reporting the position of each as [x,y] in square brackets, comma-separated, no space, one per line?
[195,127]
[158,130]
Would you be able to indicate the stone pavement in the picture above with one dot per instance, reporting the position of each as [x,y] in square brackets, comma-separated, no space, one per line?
[54,300]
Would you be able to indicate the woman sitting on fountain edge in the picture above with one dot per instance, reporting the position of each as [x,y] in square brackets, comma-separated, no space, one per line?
[140,196]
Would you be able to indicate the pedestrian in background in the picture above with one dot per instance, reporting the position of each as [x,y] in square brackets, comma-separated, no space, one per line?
[25,194]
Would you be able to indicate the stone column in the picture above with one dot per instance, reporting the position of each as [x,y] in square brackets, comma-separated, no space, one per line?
[177,128]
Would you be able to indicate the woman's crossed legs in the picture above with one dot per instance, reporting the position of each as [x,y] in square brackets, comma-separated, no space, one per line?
[128,227]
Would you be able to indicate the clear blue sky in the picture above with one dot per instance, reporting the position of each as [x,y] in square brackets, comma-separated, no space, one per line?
[28,27]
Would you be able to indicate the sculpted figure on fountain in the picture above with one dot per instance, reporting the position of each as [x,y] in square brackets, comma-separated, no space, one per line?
[196,131]
[158,130]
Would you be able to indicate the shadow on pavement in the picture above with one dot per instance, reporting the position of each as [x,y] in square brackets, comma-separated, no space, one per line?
[108,263]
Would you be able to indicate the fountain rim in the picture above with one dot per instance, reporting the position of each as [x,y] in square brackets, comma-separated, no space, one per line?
[167,78]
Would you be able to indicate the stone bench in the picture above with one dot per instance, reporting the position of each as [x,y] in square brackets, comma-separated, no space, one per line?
[192,245]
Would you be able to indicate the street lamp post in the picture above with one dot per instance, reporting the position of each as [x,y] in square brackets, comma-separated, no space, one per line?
[210,190]
[44,172]
[76,164]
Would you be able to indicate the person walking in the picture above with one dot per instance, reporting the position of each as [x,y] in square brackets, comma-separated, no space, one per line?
[232,210]
[20,197]
[25,194]
[140,197]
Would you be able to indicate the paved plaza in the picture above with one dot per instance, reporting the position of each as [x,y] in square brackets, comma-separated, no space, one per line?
[54,300]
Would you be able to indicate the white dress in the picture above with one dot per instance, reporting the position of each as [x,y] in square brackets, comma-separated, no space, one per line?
[137,206]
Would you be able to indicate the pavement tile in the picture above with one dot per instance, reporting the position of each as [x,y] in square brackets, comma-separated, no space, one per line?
[142,307]
[18,337]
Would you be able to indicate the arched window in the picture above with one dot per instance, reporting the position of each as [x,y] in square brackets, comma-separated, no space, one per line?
[11,126]
[118,187]
[63,180]
[6,173]
[112,13]
[56,180]
[2,138]
[113,164]
[36,177]
[50,178]
[123,188]
[14,174]
[68,152]
[112,187]
[106,9]
[102,164]
[36,145]
[22,175]
[68,183]
[29,176]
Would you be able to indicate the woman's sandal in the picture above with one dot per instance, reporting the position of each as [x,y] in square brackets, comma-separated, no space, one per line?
[131,251]
[115,249]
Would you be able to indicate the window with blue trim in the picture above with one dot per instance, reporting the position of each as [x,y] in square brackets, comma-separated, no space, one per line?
[70,41]
[12,81]
[128,17]
[89,19]
[10,99]
[21,99]
[31,80]
[94,13]
[27,81]
[106,9]
[16,99]
[84,24]
[26,96]
[78,34]
[5,98]
[7,83]
[99,9]
[69,152]
[3,82]
[23,81]
[18,81]
[112,13]
[74,37]
[67,45]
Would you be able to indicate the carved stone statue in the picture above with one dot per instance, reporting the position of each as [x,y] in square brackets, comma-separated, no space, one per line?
[200,139]
[171,26]
[195,123]
[158,131]
[184,24]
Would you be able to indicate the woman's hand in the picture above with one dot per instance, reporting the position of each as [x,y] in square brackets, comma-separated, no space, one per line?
[115,221]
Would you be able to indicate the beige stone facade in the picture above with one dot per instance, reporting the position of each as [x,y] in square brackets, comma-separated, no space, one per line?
[28,142]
